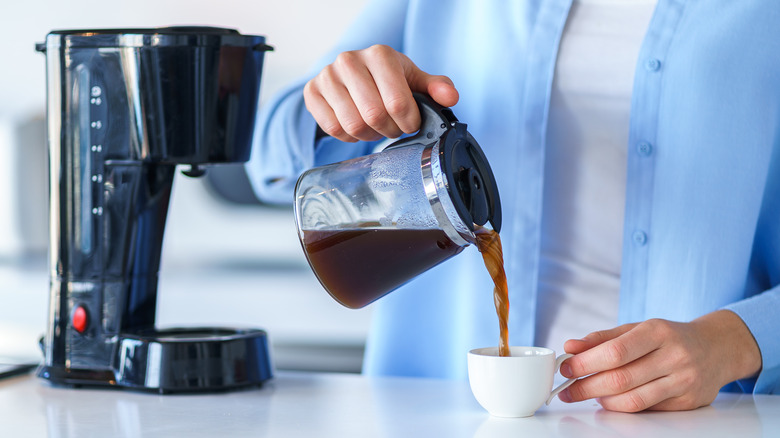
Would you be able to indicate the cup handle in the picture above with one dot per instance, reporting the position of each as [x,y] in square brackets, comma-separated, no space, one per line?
[563,385]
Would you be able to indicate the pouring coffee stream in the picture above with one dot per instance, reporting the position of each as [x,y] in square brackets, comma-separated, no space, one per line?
[370,224]
[489,244]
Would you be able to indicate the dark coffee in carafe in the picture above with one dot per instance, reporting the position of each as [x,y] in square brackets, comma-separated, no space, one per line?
[346,263]
[357,266]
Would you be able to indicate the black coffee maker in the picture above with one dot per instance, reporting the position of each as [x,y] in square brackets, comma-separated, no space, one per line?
[125,108]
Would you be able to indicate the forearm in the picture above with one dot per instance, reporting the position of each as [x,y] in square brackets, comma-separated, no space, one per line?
[283,146]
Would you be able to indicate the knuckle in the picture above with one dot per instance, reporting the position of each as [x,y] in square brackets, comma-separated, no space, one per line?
[327,73]
[333,129]
[619,380]
[659,327]
[355,127]
[597,336]
[616,352]
[635,402]
[679,357]
[310,91]
[325,77]
[375,116]
[689,380]
[399,106]
[346,60]
[307,89]
[379,50]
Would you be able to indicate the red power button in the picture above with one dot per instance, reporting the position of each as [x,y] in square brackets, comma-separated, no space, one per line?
[80,319]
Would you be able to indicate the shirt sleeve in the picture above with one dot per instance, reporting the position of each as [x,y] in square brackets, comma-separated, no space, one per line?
[284,140]
[760,315]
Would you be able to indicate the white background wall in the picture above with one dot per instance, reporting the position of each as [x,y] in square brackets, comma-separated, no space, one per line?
[300,31]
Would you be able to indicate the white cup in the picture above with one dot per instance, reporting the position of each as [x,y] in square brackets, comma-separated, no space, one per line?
[516,385]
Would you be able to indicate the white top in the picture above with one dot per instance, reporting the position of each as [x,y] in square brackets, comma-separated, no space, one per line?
[585,169]
[349,405]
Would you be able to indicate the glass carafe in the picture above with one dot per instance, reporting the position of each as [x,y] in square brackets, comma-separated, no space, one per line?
[370,224]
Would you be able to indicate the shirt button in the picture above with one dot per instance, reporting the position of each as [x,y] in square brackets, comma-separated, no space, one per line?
[653,64]
[644,148]
[640,238]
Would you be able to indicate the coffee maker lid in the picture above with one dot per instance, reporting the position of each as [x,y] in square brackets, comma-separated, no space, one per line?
[175,36]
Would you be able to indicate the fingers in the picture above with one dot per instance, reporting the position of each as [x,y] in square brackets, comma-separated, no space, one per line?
[662,394]
[394,99]
[660,365]
[367,94]
[331,110]
[652,382]
[576,346]
[440,88]
[668,393]
[620,380]
[641,398]
[611,352]
[377,88]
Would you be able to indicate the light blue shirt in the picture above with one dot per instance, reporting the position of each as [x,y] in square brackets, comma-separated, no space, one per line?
[702,219]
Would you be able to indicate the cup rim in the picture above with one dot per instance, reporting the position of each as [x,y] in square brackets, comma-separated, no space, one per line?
[493,351]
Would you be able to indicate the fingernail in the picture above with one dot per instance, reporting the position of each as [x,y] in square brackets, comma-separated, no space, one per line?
[566,371]
[565,396]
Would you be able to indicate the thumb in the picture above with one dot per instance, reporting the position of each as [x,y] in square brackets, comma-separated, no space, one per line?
[440,88]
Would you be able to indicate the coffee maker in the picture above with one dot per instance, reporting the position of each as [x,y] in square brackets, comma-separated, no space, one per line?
[125,107]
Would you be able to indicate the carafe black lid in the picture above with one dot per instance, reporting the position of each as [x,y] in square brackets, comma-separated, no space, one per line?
[471,184]
[469,180]
[175,36]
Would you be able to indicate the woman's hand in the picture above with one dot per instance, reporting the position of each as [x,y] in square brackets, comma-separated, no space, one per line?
[659,364]
[367,94]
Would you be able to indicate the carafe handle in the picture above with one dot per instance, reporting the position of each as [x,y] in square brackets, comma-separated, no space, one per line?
[435,120]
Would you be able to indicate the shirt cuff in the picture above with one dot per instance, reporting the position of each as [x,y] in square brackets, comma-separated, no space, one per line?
[759,314]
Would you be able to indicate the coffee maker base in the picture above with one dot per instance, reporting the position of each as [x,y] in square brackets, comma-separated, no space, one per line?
[177,360]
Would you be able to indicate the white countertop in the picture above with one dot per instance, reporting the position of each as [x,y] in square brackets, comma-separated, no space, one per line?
[302,404]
